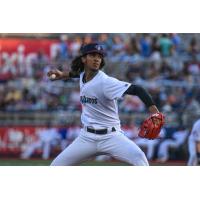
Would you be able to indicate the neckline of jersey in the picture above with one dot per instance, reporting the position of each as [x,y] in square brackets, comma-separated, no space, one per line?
[90,79]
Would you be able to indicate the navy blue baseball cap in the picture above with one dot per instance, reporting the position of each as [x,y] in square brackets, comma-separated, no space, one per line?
[92,48]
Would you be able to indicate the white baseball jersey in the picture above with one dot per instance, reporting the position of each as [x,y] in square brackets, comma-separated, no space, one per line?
[99,111]
[99,100]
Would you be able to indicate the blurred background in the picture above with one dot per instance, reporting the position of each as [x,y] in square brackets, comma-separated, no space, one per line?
[39,118]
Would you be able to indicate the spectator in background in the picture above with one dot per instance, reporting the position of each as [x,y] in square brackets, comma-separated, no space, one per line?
[75,46]
[178,139]
[74,100]
[47,139]
[194,67]
[176,41]
[63,136]
[15,138]
[134,73]
[117,48]
[2,97]
[149,146]
[145,45]
[13,98]
[130,129]
[165,45]
[20,60]
[156,54]
[106,41]
[191,109]
[73,131]
[63,46]
[87,39]
[131,104]
[193,49]
[135,46]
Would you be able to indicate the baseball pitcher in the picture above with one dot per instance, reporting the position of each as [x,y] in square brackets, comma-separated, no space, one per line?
[101,132]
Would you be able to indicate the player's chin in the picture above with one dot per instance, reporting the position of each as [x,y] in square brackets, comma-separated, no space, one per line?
[95,68]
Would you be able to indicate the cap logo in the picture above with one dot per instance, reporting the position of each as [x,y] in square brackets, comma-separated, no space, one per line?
[98,47]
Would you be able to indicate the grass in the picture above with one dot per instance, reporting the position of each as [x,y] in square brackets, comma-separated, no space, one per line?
[40,162]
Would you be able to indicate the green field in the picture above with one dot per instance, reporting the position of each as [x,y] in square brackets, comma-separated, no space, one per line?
[39,162]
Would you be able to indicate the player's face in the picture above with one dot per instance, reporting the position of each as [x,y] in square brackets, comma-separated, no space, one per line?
[92,61]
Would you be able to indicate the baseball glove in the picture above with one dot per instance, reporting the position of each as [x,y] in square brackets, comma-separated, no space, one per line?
[151,127]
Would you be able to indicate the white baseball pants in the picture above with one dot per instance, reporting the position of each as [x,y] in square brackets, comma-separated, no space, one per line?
[115,144]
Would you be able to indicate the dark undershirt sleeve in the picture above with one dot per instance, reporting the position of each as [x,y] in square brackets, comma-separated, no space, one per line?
[141,93]
[73,74]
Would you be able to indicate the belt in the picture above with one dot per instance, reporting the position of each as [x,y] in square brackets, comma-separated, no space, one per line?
[100,131]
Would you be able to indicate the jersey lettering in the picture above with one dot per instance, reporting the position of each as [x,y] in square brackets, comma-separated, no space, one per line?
[89,100]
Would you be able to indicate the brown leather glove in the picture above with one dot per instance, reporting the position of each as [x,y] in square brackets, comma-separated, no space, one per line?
[151,127]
